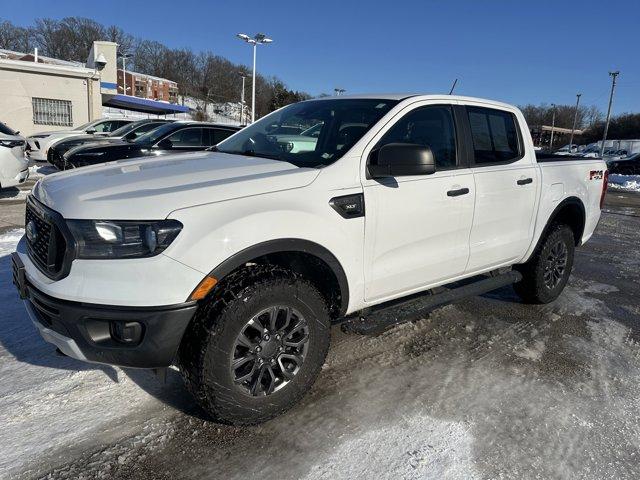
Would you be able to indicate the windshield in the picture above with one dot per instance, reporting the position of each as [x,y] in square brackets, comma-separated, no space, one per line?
[6,130]
[156,134]
[139,129]
[284,134]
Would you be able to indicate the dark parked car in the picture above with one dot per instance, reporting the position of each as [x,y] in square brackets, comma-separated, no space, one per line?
[625,166]
[127,133]
[170,138]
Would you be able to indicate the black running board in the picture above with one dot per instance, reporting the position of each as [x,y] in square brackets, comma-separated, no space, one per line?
[384,316]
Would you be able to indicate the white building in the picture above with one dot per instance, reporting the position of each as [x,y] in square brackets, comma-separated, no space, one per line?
[40,96]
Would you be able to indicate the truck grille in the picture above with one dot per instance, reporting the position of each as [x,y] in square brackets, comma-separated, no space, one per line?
[46,244]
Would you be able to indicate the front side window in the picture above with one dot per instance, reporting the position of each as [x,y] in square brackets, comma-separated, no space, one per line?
[431,127]
[281,134]
[495,135]
[48,111]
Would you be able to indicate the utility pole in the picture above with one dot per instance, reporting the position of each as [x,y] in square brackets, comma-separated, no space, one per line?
[613,75]
[575,118]
[553,125]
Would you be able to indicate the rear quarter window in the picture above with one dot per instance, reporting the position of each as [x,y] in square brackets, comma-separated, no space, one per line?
[495,136]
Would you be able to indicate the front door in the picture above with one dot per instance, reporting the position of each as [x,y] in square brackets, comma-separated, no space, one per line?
[417,227]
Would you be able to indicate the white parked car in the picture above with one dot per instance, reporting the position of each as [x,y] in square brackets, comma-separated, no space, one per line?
[233,263]
[14,166]
[39,143]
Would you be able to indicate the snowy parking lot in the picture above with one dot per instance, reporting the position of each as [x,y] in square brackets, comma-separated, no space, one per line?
[485,388]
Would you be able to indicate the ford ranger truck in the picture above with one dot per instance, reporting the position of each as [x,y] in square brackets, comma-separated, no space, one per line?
[233,263]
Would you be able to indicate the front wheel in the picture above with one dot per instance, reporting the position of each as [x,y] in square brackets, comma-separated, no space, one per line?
[547,272]
[257,347]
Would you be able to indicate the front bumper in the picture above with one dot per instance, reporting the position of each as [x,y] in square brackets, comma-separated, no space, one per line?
[87,331]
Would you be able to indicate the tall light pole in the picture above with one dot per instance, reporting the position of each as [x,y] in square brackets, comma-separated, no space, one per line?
[553,125]
[242,100]
[258,39]
[575,118]
[124,57]
[613,75]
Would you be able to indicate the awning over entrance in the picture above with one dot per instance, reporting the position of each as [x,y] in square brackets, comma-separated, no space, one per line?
[136,104]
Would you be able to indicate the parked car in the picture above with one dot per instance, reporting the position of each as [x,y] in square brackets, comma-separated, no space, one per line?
[629,165]
[233,263]
[14,166]
[39,143]
[127,133]
[169,138]
[568,150]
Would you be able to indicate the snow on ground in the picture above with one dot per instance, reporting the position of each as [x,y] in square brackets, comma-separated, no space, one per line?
[47,401]
[624,182]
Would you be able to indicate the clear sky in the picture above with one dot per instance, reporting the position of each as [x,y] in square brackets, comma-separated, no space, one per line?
[514,51]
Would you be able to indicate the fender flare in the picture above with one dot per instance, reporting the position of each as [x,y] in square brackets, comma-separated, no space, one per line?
[287,245]
[564,203]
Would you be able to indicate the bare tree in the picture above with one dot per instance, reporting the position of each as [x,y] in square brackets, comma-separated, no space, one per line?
[16,38]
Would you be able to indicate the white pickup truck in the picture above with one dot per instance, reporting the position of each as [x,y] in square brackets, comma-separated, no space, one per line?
[233,263]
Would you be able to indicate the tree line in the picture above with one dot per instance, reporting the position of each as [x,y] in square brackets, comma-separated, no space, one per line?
[205,76]
[589,119]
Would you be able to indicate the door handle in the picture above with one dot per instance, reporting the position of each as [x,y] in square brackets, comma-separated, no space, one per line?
[458,192]
[525,181]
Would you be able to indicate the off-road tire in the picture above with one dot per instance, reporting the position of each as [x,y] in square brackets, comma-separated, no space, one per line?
[533,288]
[205,351]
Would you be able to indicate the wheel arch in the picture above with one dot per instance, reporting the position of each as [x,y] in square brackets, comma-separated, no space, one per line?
[571,212]
[299,255]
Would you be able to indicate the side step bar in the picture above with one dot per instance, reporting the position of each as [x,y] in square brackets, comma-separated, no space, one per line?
[382,317]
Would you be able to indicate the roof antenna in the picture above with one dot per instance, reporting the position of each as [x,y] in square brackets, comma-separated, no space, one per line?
[455,82]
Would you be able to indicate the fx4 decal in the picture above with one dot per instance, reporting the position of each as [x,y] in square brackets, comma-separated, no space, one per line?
[595,175]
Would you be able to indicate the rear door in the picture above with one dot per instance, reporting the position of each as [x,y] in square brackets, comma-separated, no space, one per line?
[507,182]
[417,227]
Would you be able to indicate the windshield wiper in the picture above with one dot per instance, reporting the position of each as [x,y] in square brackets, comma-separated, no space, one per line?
[213,148]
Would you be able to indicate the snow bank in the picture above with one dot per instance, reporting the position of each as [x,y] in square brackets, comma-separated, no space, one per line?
[625,182]
[50,403]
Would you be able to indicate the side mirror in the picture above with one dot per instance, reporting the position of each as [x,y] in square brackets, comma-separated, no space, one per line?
[91,130]
[402,159]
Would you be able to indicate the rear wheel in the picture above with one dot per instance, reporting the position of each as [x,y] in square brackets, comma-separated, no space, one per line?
[257,346]
[547,272]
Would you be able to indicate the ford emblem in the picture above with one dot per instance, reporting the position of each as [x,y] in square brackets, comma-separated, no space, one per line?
[32,231]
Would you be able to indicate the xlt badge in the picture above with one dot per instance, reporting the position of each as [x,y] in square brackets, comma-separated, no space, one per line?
[349,206]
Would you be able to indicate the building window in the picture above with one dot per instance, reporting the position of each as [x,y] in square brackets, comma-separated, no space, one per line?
[47,111]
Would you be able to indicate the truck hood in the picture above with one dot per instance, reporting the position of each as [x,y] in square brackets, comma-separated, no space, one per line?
[151,188]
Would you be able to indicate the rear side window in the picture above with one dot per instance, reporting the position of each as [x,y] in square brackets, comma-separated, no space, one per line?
[495,135]
[189,137]
[430,126]
[216,135]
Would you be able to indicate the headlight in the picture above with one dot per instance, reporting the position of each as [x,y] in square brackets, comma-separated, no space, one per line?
[122,239]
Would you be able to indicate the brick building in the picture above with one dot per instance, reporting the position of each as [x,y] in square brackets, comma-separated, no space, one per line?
[147,86]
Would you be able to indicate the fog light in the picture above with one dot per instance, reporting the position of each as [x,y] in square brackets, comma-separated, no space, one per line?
[126,332]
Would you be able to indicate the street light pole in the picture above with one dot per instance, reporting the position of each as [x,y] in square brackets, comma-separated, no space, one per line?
[553,125]
[124,57]
[614,75]
[258,39]
[242,101]
[575,118]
